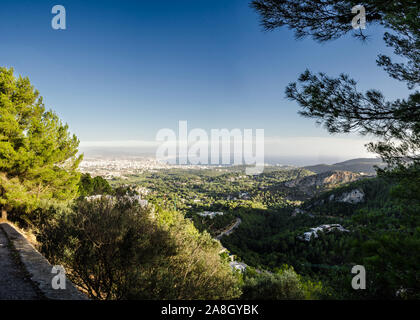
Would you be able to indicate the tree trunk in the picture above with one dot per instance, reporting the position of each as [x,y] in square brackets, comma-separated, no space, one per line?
[3,214]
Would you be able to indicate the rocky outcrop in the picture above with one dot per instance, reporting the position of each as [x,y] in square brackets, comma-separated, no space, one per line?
[354,196]
[314,184]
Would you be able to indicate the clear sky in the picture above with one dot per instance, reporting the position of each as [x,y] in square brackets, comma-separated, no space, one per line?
[122,70]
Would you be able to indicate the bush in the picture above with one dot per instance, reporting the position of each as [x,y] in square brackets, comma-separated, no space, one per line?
[89,186]
[117,250]
[285,284]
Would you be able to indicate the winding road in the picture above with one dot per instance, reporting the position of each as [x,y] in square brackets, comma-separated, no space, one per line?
[230,230]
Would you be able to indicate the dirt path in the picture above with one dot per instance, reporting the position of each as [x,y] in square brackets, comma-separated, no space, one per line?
[13,283]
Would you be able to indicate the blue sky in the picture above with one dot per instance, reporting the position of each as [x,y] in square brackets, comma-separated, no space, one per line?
[122,70]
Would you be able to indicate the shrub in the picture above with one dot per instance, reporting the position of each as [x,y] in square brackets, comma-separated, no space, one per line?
[118,250]
[285,284]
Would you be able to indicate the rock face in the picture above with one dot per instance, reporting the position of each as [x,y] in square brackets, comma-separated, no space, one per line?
[314,184]
[325,178]
[355,196]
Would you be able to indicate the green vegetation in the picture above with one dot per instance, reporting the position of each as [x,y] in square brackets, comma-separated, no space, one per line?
[114,249]
[89,186]
[385,232]
[198,190]
[38,160]
[268,236]
[282,285]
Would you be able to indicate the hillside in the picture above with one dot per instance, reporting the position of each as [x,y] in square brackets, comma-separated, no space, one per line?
[309,186]
[365,224]
[365,165]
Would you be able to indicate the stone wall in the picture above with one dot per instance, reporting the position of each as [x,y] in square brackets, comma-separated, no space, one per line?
[38,268]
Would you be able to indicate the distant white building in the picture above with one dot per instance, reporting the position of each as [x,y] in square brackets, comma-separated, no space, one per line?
[238,265]
[99,196]
[244,196]
[326,228]
[210,214]
[142,191]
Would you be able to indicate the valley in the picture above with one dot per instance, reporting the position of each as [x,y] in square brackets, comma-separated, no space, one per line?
[266,219]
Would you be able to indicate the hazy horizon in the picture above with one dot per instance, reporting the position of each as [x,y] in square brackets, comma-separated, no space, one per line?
[122,73]
[124,152]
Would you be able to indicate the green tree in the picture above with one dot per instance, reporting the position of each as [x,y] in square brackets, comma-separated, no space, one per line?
[92,186]
[38,158]
[335,102]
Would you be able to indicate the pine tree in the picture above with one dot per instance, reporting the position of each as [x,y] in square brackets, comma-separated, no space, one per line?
[335,102]
[38,155]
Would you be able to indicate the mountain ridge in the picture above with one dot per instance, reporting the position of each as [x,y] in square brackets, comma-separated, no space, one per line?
[358,165]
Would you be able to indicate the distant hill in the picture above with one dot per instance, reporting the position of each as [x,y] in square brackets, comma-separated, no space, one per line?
[365,165]
[309,186]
